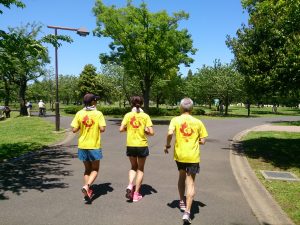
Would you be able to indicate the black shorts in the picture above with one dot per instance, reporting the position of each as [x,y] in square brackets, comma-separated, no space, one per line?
[137,151]
[192,168]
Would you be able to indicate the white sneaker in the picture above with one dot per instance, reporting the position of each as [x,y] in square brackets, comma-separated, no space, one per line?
[186,218]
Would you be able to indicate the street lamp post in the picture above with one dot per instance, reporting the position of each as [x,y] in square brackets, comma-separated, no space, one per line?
[80,31]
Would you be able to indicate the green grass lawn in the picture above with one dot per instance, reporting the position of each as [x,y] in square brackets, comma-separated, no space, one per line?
[19,135]
[277,151]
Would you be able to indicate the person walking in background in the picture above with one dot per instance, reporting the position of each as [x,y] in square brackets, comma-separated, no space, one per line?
[42,108]
[91,123]
[189,133]
[29,107]
[137,124]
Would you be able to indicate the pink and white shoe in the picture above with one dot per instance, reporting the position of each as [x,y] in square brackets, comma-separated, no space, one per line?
[87,192]
[129,192]
[137,197]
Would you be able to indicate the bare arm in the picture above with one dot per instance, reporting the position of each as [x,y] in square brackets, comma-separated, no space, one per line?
[169,139]
[102,129]
[123,128]
[202,141]
[75,129]
[149,131]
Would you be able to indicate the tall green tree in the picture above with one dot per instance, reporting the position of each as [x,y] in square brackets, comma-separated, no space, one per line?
[147,45]
[23,58]
[8,3]
[267,50]
[87,80]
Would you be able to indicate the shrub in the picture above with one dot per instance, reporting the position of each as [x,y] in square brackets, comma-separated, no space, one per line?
[153,111]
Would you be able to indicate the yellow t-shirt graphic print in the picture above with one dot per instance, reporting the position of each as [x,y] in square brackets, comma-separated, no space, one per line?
[136,124]
[89,122]
[188,131]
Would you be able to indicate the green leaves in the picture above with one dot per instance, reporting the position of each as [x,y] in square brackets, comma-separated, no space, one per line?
[267,50]
[54,39]
[148,45]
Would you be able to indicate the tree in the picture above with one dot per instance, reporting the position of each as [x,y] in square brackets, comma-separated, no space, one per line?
[220,81]
[8,3]
[87,80]
[267,50]
[23,58]
[68,91]
[147,45]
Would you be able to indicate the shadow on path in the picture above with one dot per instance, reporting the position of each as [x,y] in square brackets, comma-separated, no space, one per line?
[194,210]
[40,171]
[100,189]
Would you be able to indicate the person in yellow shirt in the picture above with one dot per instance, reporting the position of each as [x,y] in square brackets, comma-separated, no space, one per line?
[137,124]
[190,133]
[91,123]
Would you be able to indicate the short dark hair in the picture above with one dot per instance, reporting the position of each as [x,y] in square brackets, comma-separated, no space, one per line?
[89,98]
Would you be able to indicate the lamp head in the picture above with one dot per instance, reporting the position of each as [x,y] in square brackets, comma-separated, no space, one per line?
[82,32]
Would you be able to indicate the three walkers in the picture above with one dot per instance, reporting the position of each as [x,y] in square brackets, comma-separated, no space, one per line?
[189,132]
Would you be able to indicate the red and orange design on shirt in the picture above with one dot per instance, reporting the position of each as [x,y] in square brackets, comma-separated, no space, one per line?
[188,131]
[136,124]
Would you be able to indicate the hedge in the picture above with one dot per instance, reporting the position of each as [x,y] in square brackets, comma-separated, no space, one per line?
[153,111]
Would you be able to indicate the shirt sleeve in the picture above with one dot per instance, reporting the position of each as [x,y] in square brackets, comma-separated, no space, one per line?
[172,124]
[75,122]
[124,121]
[203,132]
[149,122]
[102,122]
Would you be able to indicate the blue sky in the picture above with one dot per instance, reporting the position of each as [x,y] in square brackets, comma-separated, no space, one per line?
[209,23]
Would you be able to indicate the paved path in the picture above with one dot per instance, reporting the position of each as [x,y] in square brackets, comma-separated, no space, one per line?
[45,188]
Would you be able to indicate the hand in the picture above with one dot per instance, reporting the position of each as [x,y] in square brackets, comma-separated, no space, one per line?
[166,149]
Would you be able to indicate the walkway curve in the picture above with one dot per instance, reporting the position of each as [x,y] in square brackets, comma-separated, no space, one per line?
[265,208]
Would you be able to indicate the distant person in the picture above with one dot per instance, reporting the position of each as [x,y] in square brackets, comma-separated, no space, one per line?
[190,133]
[4,111]
[274,108]
[91,123]
[137,124]
[42,108]
[29,107]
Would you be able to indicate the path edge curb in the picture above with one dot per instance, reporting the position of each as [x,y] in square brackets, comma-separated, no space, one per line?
[264,207]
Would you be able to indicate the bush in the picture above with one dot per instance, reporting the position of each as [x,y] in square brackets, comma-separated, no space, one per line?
[153,111]
[72,109]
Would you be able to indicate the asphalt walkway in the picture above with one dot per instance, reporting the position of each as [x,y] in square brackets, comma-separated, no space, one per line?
[45,188]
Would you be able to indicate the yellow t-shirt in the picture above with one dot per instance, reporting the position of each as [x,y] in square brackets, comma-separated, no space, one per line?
[188,131]
[136,124]
[89,122]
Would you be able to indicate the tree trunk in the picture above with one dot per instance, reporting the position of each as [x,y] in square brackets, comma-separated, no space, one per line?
[145,86]
[22,92]
[226,104]
[7,93]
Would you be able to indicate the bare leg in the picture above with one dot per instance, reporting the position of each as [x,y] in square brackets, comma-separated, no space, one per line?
[133,170]
[91,171]
[140,173]
[190,190]
[181,184]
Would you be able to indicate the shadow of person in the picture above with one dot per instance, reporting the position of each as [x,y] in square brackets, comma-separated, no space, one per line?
[147,190]
[100,189]
[195,209]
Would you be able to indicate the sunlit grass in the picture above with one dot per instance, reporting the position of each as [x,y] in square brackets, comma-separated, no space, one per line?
[277,151]
[19,135]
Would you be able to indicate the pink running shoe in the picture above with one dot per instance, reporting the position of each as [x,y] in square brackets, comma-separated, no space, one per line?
[87,192]
[129,192]
[137,196]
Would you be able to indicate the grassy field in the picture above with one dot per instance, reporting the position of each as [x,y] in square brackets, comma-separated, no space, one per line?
[277,151]
[19,135]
